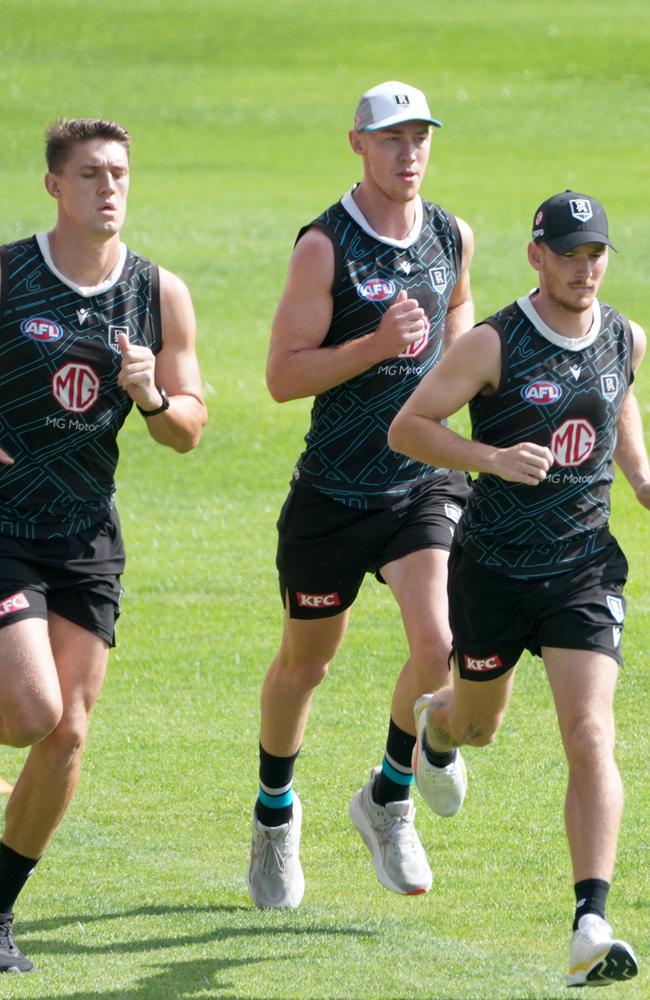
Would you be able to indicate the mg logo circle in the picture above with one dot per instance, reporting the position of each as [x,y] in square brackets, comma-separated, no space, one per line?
[573,442]
[75,387]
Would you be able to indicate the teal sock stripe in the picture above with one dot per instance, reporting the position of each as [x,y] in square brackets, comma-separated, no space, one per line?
[397,776]
[276,801]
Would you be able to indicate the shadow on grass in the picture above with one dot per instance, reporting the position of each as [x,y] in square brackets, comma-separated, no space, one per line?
[178,979]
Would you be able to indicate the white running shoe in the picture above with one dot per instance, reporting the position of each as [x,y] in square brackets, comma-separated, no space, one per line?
[442,788]
[596,959]
[390,835]
[275,877]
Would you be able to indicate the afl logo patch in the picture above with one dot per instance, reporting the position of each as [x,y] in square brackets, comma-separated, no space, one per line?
[377,289]
[541,393]
[40,329]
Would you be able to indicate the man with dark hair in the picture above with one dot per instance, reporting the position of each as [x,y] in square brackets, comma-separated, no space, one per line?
[533,565]
[88,328]
[377,286]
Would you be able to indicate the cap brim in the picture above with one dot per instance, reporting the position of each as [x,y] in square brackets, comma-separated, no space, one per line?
[562,244]
[398,120]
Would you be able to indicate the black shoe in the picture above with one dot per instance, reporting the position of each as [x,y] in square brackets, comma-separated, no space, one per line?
[11,957]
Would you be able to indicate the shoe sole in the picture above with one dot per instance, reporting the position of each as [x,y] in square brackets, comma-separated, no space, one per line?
[618,965]
[358,817]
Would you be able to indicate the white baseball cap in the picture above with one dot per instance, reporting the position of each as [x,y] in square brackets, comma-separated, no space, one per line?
[389,104]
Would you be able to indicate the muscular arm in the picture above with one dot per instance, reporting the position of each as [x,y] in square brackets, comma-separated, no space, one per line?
[460,312]
[175,368]
[471,365]
[297,363]
[631,454]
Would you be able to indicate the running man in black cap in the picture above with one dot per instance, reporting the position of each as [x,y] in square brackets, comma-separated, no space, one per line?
[533,565]
[378,285]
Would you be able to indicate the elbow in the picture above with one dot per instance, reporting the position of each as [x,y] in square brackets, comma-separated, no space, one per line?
[396,438]
[277,388]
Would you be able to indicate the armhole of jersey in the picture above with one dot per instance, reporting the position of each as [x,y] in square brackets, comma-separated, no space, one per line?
[156,310]
[504,351]
[324,228]
[4,277]
[629,337]
[458,240]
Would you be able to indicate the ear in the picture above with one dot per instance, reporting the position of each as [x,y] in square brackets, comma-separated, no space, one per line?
[52,185]
[356,141]
[535,255]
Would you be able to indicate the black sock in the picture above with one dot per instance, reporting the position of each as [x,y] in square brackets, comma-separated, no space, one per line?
[393,783]
[274,804]
[436,758]
[591,897]
[15,869]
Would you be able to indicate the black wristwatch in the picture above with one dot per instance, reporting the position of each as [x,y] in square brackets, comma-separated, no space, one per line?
[159,409]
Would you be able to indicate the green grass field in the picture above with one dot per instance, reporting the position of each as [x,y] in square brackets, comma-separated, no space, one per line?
[239,113]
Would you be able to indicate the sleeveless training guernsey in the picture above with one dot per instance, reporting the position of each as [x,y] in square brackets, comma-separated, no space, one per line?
[565,394]
[347,454]
[60,404]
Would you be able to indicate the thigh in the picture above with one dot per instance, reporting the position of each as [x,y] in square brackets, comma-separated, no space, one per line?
[81,658]
[418,582]
[583,684]
[313,641]
[28,674]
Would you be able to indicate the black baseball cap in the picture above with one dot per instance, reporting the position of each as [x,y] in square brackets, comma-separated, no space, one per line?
[567,220]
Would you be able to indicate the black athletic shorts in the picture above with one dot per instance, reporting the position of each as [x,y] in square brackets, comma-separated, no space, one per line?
[77,577]
[325,548]
[494,617]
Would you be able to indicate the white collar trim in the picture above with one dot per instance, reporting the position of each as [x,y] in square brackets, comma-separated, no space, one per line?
[351,207]
[84,290]
[567,343]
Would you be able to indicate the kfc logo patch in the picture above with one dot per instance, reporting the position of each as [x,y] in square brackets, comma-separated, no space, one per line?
[573,442]
[75,387]
[318,600]
[481,666]
[17,602]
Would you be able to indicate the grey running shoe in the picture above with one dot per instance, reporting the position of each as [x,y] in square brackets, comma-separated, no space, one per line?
[390,836]
[275,877]
[596,959]
[442,788]
[11,957]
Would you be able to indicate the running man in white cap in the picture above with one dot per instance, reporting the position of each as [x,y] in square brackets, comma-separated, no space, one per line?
[378,286]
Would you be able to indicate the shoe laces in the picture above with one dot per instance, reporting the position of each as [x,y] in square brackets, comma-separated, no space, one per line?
[6,934]
[275,851]
[397,830]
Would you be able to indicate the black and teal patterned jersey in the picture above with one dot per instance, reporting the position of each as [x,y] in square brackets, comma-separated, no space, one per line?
[566,395]
[347,454]
[60,405]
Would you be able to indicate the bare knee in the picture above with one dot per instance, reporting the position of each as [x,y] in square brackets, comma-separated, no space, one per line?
[300,675]
[429,660]
[588,741]
[27,724]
